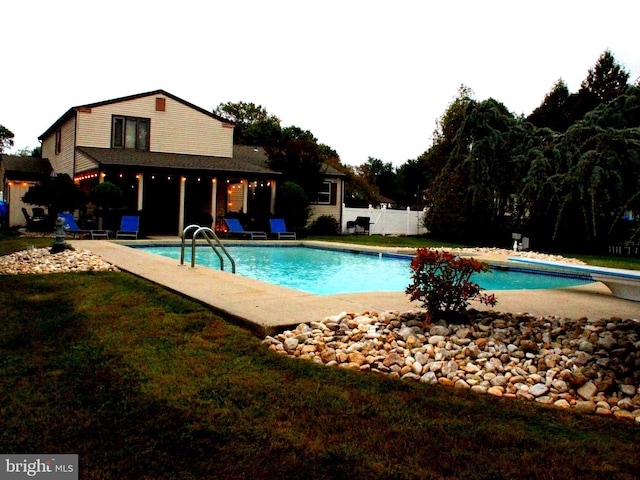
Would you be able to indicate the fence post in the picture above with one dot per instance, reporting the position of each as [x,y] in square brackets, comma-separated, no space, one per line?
[343,220]
[383,212]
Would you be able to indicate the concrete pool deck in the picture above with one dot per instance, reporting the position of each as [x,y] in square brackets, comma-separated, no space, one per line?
[266,308]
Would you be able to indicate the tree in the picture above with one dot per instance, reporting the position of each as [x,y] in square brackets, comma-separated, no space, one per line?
[6,138]
[471,192]
[254,125]
[58,193]
[412,180]
[292,203]
[298,156]
[580,183]
[380,175]
[606,80]
[552,111]
[106,196]
[292,151]
[28,152]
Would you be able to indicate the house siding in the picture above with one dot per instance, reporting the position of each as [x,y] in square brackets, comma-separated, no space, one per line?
[177,129]
[318,210]
[84,163]
[61,162]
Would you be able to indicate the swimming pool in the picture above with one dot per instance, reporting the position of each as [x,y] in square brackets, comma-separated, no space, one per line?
[323,271]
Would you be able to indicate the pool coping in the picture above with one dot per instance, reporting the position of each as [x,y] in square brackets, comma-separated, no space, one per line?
[267,308]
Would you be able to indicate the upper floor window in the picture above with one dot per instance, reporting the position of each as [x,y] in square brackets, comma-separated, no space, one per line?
[130,132]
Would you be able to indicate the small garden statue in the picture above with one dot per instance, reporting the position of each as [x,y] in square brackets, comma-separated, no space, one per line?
[60,233]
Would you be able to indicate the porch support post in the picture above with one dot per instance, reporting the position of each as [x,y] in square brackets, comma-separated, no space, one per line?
[245,196]
[214,198]
[140,178]
[272,207]
[183,184]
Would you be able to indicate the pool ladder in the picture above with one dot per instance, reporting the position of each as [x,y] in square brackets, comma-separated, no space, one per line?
[210,236]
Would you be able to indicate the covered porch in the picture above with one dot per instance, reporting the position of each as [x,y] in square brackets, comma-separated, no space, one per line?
[171,191]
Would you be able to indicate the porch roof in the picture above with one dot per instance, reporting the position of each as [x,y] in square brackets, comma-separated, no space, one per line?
[16,167]
[239,163]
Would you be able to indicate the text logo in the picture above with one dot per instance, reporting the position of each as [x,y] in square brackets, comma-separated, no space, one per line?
[49,467]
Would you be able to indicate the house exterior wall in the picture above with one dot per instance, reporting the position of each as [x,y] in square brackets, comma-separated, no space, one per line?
[61,162]
[84,163]
[14,195]
[177,129]
[318,210]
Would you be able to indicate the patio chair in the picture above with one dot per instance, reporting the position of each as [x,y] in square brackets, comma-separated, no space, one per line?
[72,227]
[235,228]
[38,213]
[129,227]
[31,223]
[279,229]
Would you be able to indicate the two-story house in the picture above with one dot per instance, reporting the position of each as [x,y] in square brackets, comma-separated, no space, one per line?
[174,161]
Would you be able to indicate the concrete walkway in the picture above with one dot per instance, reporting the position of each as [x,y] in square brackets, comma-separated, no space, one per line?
[266,308]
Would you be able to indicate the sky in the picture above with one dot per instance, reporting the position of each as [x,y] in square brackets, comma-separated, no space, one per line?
[367,78]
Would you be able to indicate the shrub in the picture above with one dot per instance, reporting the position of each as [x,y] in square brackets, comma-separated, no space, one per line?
[292,203]
[324,225]
[441,281]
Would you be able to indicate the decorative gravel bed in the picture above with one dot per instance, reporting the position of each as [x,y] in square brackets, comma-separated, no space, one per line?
[41,260]
[592,366]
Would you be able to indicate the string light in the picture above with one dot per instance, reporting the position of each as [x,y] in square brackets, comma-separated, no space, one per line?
[86,176]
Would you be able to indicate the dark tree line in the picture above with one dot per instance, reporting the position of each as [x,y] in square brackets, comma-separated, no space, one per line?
[566,175]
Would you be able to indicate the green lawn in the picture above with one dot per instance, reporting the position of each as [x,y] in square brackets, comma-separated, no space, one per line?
[145,384]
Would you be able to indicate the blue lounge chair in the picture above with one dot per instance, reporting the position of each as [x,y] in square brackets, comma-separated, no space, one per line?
[279,229]
[129,227]
[72,227]
[235,228]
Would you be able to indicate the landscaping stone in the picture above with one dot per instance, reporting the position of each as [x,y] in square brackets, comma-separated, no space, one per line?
[41,260]
[586,365]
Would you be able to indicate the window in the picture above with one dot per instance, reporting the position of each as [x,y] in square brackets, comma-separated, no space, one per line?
[130,132]
[324,195]
[58,141]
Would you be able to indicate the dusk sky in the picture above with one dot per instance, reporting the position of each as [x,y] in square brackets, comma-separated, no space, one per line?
[368,78]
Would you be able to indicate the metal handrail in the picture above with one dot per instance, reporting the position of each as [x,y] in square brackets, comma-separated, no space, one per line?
[184,234]
[209,235]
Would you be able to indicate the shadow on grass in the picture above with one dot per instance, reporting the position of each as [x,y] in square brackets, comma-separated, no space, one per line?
[142,383]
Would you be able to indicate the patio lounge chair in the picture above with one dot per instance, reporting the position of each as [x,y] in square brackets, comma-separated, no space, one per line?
[129,226]
[279,229]
[72,227]
[235,228]
[35,223]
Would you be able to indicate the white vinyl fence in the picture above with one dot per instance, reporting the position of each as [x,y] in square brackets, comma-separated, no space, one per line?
[386,221]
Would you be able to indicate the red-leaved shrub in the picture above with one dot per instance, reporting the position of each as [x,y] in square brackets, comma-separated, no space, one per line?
[441,281]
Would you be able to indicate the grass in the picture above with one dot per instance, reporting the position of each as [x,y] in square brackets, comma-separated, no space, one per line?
[145,384]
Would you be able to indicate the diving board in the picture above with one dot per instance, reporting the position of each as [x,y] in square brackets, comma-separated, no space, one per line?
[622,283]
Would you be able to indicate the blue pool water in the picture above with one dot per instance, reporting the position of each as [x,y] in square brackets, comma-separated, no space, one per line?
[323,271]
